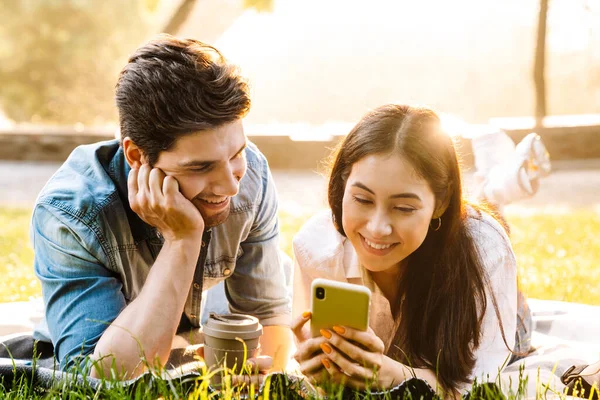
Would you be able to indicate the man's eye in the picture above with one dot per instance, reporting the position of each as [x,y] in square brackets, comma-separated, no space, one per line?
[200,169]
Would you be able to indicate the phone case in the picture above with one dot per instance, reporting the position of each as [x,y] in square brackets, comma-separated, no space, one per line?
[344,304]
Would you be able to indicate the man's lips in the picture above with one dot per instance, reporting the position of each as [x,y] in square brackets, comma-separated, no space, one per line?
[214,206]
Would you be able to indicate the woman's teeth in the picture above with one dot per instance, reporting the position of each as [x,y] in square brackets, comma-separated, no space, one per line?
[378,246]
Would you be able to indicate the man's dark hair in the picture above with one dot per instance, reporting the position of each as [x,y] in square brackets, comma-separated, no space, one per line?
[173,87]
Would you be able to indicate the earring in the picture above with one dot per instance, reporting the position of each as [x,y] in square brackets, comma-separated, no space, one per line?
[439,224]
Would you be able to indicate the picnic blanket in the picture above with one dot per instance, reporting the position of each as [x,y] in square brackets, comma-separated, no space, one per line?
[564,334]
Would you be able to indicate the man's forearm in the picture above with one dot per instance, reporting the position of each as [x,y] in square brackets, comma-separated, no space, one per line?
[276,341]
[147,325]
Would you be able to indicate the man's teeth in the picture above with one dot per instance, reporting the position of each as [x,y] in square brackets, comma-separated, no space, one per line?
[214,201]
[378,246]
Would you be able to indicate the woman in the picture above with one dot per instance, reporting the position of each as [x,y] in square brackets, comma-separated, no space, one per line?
[442,272]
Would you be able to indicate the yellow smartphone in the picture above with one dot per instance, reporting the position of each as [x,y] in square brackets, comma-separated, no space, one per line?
[338,303]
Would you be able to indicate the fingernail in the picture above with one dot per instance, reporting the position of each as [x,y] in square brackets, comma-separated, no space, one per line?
[306,314]
[325,333]
[339,330]
[326,363]
[326,348]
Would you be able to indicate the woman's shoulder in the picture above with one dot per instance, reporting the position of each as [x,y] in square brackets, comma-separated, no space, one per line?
[485,225]
[318,243]
[490,238]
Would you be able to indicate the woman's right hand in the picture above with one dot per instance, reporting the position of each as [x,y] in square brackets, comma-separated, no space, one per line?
[308,353]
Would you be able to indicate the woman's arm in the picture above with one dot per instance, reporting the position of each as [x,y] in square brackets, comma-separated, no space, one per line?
[497,334]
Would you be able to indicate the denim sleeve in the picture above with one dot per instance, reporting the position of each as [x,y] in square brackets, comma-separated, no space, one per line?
[261,282]
[82,296]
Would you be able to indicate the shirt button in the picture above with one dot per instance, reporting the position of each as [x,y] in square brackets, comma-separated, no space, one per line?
[193,315]
[196,286]
[226,271]
[203,244]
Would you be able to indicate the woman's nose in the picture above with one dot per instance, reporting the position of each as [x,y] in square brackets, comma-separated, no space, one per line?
[379,225]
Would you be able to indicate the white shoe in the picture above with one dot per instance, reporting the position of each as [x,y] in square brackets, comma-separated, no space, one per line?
[535,155]
[517,177]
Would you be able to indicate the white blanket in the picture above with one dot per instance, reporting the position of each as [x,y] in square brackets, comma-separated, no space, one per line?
[564,334]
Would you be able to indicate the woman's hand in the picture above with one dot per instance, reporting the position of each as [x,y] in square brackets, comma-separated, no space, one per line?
[308,353]
[356,359]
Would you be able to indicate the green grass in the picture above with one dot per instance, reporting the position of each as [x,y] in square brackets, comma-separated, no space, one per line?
[18,281]
[557,253]
[195,384]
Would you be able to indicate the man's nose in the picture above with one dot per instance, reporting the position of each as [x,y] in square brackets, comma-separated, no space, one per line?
[228,181]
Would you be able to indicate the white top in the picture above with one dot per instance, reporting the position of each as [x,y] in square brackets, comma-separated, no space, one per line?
[321,252]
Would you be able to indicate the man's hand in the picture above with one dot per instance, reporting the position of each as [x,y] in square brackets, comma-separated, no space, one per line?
[156,198]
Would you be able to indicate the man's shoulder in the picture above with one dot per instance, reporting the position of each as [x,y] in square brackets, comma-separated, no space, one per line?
[254,183]
[82,186]
[255,158]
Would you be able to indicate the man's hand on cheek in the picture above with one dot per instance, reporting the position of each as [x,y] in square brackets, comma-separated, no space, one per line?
[156,198]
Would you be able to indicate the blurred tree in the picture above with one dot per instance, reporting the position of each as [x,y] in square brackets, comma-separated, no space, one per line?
[59,59]
[179,17]
[540,65]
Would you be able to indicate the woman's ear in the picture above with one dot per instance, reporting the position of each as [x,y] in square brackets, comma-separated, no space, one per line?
[133,154]
[440,208]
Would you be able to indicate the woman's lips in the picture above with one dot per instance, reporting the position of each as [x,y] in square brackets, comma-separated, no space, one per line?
[374,251]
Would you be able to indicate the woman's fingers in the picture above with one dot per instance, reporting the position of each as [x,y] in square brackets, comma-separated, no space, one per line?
[312,365]
[368,359]
[336,375]
[350,368]
[298,326]
[368,339]
[308,348]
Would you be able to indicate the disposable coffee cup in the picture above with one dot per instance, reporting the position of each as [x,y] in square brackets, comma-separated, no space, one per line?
[228,340]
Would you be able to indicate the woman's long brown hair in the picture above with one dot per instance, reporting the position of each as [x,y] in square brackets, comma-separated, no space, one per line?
[443,287]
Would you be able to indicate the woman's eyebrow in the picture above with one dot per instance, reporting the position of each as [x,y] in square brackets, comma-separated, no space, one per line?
[407,195]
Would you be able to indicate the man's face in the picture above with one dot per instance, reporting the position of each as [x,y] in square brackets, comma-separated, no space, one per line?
[208,166]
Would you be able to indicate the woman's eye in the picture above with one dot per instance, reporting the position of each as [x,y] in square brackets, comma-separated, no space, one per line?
[405,209]
[361,201]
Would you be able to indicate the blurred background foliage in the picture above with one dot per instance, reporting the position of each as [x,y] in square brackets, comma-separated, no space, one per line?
[59,59]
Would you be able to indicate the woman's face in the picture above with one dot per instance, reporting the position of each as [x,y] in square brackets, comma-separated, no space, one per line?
[386,210]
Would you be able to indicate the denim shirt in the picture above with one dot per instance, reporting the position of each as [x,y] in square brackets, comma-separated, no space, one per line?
[93,253]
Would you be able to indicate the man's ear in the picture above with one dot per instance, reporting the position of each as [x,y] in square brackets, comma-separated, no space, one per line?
[133,154]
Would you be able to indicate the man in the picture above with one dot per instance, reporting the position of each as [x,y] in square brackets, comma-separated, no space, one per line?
[128,235]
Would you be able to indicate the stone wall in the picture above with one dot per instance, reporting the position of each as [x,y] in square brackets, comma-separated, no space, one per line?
[563,143]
